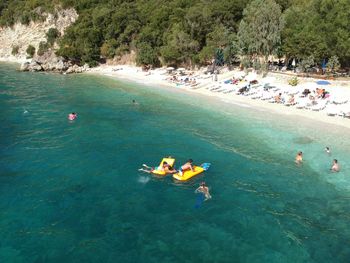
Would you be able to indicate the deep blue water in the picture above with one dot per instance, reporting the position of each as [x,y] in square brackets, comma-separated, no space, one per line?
[72,192]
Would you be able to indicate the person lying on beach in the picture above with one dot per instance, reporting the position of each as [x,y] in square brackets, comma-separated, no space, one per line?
[291,100]
[335,166]
[165,167]
[186,167]
[306,92]
[299,158]
[203,189]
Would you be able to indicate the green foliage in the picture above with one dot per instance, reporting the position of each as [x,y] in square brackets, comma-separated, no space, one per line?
[246,62]
[43,47]
[321,30]
[307,63]
[260,29]
[333,64]
[189,31]
[14,51]
[293,81]
[51,35]
[30,51]
[24,11]
[146,55]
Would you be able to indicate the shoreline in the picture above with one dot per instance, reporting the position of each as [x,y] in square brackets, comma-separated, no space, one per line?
[157,78]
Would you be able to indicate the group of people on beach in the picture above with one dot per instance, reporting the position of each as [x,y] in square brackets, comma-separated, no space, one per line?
[334,167]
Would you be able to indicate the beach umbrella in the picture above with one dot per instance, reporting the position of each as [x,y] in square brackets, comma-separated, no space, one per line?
[323,82]
[181,69]
[169,68]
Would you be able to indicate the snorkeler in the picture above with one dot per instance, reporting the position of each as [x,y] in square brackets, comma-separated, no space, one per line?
[203,189]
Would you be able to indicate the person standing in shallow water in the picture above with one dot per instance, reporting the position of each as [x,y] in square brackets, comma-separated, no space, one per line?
[299,158]
[335,166]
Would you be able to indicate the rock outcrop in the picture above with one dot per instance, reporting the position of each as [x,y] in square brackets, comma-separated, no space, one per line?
[50,62]
[22,36]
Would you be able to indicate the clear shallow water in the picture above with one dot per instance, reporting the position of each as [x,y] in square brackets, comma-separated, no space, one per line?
[71,191]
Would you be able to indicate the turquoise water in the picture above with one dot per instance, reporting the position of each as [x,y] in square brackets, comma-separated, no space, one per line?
[72,192]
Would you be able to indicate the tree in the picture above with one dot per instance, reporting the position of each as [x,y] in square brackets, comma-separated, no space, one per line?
[321,30]
[51,35]
[333,64]
[179,46]
[146,55]
[30,51]
[259,32]
[43,47]
[14,51]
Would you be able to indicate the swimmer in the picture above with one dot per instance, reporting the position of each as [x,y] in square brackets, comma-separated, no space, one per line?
[165,167]
[203,189]
[327,150]
[134,102]
[299,158]
[335,166]
[72,116]
[25,111]
[186,167]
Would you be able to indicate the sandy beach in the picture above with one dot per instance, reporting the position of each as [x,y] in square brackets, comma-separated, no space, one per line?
[206,85]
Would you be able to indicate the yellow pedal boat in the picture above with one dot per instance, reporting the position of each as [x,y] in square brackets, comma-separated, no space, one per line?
[188,174]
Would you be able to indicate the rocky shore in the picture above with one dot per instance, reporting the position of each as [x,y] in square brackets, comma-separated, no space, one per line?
[50,62]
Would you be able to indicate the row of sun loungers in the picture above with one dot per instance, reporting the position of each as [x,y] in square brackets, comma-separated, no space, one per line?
[333,105]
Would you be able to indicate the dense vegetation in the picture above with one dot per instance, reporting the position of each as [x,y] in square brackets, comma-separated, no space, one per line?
[191,32]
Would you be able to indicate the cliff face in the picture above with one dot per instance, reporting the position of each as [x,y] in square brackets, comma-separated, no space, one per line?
[32,34]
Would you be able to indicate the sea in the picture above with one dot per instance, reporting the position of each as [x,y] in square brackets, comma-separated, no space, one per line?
[71,191]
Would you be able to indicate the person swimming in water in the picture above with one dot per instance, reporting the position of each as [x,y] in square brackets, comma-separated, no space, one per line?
[299,158]
[204,189]
[327,150]
[72,116]
[165,167]
[335,166]
[186,167]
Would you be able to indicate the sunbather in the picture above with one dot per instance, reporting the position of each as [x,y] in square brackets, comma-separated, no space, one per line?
[291,100]
[278,98]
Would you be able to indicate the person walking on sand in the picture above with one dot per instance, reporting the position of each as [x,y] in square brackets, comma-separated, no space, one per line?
[335,166]
[299,158]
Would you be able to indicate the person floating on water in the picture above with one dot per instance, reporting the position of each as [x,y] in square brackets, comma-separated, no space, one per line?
[335,166]
[186,167]
[165,167]
[203,188]
[327,150]
[72,116]
[299,158]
